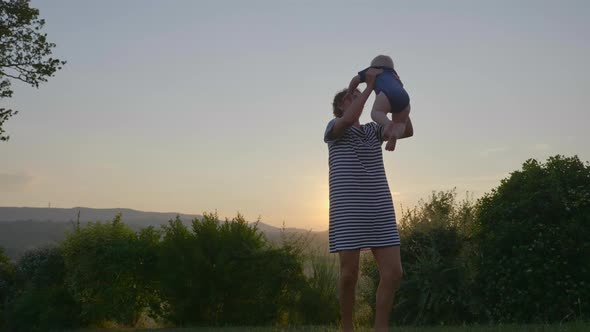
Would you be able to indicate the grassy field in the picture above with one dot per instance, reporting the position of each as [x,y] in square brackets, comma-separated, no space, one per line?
[569,327]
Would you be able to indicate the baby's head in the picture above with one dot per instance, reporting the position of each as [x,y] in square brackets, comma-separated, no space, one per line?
[382,61]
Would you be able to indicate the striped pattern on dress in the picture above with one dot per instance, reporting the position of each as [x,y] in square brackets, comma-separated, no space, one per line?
[362,215]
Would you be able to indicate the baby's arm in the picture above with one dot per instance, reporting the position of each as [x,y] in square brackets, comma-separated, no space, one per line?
[358,79]
[354,83]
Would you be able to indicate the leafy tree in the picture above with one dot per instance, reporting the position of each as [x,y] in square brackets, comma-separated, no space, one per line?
[534,243]
[177,272]
[148,246]
[225,272]
[39,300]
[106,270]
[25,53]
[6,280]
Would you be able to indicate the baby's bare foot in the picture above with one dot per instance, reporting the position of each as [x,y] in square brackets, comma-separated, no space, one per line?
[390,146]
[389,131]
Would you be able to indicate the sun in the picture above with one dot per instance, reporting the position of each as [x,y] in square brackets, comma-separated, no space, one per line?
[326,205]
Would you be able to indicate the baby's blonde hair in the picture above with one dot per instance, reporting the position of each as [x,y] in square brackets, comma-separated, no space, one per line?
[382,61]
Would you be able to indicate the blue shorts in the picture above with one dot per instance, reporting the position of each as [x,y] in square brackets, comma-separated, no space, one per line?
[388,83]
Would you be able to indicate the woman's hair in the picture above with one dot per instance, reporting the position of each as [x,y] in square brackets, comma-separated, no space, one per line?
[382,61]
[338,99]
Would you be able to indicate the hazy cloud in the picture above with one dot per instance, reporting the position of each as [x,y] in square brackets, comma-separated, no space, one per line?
[541,147]
[490,151]
[11,182]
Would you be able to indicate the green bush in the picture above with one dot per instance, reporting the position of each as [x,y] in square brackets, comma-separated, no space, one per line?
[534,243]
[106,265]
[6,281]
[146,270]
[39,300]
[224,273]
[519,255]
[436,282]
[318,303]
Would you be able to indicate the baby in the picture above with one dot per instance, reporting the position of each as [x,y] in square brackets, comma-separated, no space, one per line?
[391,97]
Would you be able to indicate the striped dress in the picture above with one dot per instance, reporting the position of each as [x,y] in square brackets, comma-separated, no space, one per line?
[362,215]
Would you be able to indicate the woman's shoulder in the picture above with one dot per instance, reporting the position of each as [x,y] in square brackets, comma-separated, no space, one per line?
[328,137]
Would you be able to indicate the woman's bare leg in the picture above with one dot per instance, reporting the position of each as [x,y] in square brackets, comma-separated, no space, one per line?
[349,270]
[390,274]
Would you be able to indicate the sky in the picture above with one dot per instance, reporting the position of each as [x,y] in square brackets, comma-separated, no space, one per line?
[203,106]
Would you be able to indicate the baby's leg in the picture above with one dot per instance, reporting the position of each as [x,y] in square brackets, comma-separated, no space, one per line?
[400,119]
[379,114]
[398,125]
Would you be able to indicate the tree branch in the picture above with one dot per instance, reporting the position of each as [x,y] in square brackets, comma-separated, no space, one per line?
[27,71]
[11,76]
[15,64]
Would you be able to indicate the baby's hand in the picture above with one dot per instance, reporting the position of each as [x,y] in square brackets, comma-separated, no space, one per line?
[390,146]
[371,75]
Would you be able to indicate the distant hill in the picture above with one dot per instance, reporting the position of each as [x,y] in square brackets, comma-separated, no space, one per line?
[23,228]
[87,214]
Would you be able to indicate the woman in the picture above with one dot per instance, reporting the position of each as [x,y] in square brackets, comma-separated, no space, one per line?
[362,215]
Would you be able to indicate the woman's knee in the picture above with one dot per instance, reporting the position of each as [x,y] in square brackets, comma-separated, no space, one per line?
[349,276]
[349,267]
[391,275]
